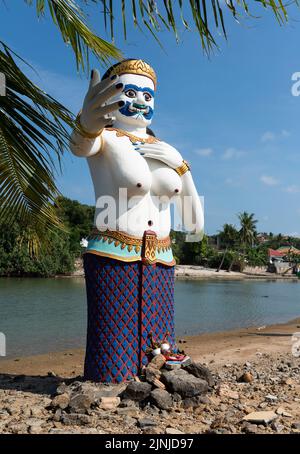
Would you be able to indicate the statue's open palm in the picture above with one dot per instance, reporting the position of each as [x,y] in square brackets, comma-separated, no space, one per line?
[96,114]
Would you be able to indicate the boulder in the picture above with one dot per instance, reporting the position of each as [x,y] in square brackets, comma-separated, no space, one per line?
[137,391]
[80,403]
[200,371]
[61,401]
[183,383]
[161,399]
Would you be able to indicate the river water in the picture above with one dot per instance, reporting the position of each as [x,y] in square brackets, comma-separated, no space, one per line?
[42,315]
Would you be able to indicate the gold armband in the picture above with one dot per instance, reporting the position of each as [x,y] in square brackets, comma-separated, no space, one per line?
[83,132]
[181,170]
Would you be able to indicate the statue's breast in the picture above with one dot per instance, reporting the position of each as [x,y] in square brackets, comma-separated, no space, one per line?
[165,181]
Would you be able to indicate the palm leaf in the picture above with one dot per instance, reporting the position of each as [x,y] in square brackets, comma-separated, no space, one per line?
[70,20]
[31,136]
[206,16]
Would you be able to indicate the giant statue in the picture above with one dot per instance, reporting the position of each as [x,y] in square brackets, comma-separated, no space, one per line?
[129,265]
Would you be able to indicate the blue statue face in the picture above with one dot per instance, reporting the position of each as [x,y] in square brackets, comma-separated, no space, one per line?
[138,95]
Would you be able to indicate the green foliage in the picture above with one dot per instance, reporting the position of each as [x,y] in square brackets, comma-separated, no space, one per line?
[54,254]
[26,251]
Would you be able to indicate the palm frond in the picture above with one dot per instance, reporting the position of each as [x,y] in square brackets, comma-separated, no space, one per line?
[206,16]
[32,134]
[70,20]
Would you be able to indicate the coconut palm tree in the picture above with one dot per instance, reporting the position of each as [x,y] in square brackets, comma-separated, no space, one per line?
[34,126]
[228,236]
[247,231]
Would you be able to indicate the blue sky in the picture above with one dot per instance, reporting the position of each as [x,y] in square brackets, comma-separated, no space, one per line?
[232,116]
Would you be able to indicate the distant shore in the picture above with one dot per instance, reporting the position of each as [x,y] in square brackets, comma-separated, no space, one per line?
[193,272]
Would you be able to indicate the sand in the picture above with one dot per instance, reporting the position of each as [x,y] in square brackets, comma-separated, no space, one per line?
[213,348]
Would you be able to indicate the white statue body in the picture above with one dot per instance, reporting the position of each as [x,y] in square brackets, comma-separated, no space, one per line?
[145,171]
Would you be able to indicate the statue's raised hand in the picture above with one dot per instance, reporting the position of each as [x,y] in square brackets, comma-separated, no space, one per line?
[96,111]
[161,151]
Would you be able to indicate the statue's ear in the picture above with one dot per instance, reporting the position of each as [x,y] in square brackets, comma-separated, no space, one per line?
[150,132]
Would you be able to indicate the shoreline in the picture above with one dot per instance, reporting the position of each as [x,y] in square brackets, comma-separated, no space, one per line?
[190,272]
[208,348]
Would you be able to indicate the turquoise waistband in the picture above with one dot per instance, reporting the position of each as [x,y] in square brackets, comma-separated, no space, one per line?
[126,248]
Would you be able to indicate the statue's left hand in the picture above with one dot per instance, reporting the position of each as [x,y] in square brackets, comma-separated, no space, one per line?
[161,151]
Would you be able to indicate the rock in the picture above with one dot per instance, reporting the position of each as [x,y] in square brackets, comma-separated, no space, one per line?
[130,422]
[158,361]
[57,416]
[282,412]
[183,383]
[296,425]
[247,377]
[137,391]
[62,388]
[80,403]
[271,398]
[277,427]
[158,384]
[51,373]
[128,403]
[153,430]
[191,402]
[172,366]
[260,417]
[161,398]
[61,401]
[152,374]
[172,431]
[128,411]
[200,371]
[75,418]
[249,428]
[109,403]
[146,422]
[224,391]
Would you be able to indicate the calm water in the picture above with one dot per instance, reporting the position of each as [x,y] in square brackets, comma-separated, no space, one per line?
[41,315]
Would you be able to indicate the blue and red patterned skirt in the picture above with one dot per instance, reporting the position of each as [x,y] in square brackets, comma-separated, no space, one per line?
[127,302]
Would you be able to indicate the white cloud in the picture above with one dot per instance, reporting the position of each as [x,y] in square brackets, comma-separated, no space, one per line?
[232,153]
[267,136]
[232,182]
[204,152]
[270,136]
[285,133]
[269,180]
[293,189]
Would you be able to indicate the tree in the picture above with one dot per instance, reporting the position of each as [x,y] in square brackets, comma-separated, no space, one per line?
[228,237]
[34,126]
[247,232]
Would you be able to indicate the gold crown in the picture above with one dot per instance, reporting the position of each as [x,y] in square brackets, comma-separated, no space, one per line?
[139,67]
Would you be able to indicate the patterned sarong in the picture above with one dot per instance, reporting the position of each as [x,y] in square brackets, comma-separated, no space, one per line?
[126,302]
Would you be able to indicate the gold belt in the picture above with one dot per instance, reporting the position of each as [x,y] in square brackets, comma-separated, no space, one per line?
[148,245]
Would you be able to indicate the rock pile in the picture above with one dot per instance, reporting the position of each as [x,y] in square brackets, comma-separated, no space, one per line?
[159,388]
[258,397]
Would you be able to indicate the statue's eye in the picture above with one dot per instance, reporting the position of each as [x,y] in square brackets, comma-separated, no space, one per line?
[147,97]
[130,93]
